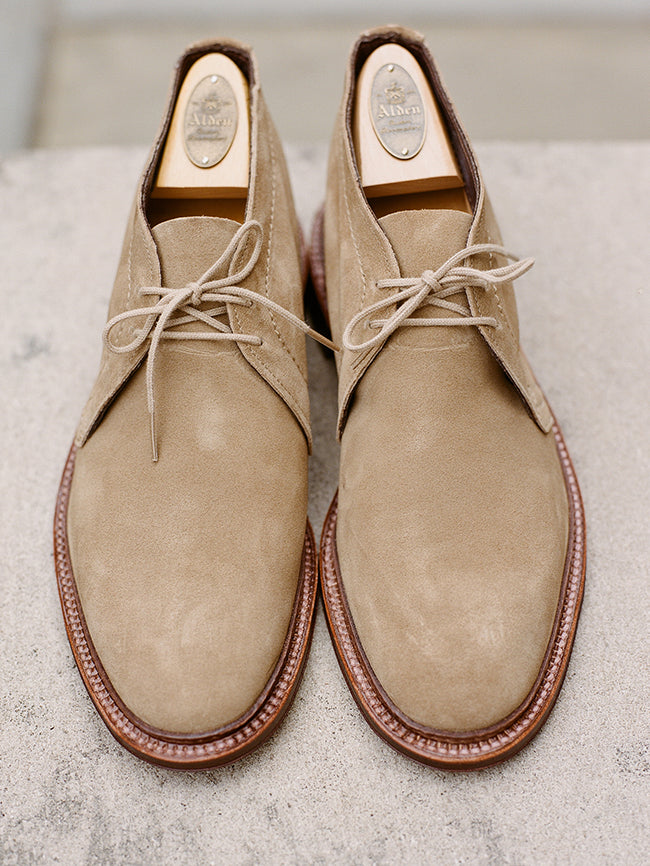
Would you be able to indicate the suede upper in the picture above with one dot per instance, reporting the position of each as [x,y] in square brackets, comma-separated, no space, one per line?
[356,247]
[187,568]
[452,512]
[281,360]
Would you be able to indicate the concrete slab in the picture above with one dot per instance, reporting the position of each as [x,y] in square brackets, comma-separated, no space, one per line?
[325,789]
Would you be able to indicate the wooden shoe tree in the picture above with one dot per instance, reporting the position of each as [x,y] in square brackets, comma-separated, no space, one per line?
[405,158]
[204,166]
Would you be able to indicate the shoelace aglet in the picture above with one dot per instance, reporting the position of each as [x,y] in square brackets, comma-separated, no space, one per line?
[154,445]
[324,341]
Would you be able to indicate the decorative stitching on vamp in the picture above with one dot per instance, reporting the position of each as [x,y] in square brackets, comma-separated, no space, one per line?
[303,373]
[354,242]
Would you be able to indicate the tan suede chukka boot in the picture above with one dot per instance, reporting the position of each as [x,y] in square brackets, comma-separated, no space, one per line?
[453,556]
[185,561]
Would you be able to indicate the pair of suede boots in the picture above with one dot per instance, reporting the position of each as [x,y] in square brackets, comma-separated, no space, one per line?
[452,558]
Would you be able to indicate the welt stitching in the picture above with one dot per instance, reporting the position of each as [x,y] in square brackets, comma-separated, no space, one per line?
[494,743]
[156,746]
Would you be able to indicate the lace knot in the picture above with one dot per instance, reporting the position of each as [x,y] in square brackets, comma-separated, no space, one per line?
[176,307]
[433,288]
[430,279]
[197,292]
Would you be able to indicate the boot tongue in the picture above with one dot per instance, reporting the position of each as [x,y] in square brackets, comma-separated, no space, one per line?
[424,240]
[188,246]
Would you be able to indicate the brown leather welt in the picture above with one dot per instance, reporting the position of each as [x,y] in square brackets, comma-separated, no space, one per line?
[472,749]
[191,751]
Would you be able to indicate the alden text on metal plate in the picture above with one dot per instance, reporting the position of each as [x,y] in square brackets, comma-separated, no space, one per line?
[397,111]
[210,121]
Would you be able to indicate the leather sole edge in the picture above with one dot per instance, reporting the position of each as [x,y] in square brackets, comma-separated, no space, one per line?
[473,749]
[194,751]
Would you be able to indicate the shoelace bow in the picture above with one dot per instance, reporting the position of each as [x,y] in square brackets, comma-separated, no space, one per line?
[433,288]
[177,307]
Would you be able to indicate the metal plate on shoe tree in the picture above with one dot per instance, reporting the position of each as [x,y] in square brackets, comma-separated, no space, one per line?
[210,121]
[224,174]
[397,111]
[388,172]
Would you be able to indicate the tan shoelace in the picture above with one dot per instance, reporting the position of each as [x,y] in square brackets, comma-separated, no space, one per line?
[165,314]
[433,288]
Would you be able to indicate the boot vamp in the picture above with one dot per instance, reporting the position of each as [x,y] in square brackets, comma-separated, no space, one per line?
[451,533]
[187,568]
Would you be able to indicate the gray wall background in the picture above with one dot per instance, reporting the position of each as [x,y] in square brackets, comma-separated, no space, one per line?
[92,72]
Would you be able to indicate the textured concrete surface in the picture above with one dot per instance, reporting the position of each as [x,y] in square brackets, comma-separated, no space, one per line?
[325,789]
